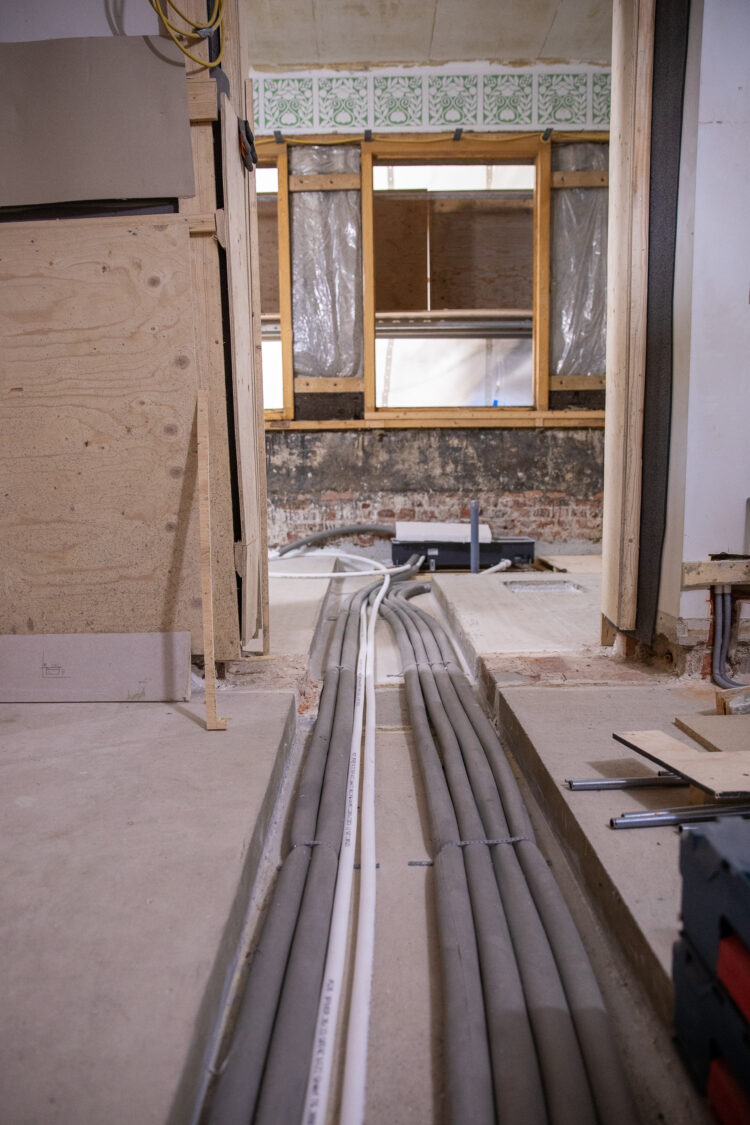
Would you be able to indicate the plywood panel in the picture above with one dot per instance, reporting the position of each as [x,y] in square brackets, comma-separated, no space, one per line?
[98,519]
[400,239]
[717,732]
[724,776]
[481,258]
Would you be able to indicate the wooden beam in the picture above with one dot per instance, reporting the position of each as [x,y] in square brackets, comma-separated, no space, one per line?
[715,573]
[202,105]
[327,385]
[368,278]
[334,181]
[285,282]
[542,210]
[577,382]
[551,419]
[202,224]
[213,722]
[632,68]
[244,359]
[587,179]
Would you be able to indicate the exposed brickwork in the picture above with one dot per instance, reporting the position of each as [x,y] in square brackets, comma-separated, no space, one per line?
[545,484]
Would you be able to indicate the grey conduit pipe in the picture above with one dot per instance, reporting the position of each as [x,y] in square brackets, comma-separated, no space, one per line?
[468,1080]
[241,1074]
[335,532]
[612,1095]
[722,601]
[563,1075]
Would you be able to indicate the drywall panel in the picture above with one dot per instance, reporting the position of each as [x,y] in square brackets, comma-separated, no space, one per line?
[95,668]
[98,520]
[51,19]
[93,118]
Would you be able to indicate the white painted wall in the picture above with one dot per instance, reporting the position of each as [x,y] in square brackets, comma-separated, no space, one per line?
[710,450]
[25,21]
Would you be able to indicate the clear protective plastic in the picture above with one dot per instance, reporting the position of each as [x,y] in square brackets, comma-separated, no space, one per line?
[578,291]
[326,232]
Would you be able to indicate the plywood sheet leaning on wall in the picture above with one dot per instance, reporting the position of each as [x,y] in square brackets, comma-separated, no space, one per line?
[98,510]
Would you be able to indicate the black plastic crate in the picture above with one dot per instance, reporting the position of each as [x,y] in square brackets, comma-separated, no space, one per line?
[440,555]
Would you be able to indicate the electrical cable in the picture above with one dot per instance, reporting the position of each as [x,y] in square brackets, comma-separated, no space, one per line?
[330,533]
[215,22]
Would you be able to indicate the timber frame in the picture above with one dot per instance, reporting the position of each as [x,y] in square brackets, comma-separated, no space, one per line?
[531,148]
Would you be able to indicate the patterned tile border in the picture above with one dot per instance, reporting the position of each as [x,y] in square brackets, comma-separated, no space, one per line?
[427,100]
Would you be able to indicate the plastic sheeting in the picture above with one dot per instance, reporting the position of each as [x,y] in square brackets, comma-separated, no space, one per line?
[326,267]
[578,298]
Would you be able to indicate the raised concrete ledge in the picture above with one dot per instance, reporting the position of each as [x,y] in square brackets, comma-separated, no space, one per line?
[632,875]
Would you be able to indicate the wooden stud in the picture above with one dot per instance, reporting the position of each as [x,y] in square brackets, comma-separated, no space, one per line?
[202,105]
[285,281]
[203,218]
[715,573]
[338,181]
[632,69]
[328,385]
[259,640]
[541,276]
[551,419]
[368,278]
[577,382]
[588,179]
[608,633]
[213,722]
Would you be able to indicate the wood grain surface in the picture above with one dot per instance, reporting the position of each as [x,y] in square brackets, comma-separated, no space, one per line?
[98,519]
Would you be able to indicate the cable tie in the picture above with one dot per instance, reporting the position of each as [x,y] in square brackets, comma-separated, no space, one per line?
[368,135]
[546,134]
[306,844]
[457,134]
[278,137]
[490,843]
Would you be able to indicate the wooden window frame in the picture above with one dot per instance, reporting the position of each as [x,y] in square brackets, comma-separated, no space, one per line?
[472,148]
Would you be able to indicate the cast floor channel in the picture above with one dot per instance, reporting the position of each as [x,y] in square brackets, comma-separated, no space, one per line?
[486,1004]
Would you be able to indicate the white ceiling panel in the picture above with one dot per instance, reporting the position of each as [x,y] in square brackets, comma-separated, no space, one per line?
[358,32]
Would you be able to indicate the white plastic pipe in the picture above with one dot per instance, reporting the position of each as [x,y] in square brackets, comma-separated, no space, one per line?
[504,564]
[355,1059]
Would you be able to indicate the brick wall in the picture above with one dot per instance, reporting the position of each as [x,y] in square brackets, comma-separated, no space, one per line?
[543,483]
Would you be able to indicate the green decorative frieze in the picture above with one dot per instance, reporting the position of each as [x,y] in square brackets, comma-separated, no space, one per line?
[420,99]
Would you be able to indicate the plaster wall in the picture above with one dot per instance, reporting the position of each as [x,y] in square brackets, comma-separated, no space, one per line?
[710,452]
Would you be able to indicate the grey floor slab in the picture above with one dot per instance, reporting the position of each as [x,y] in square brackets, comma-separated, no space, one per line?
[129,841]
[521,611]
[562,732]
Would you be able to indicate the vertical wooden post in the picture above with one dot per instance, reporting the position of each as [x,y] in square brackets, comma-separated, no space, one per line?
[627,261]
[542,209]
[213,722]
[368,279]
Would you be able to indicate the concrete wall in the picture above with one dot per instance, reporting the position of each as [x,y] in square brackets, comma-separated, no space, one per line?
[542,483]
[710,449]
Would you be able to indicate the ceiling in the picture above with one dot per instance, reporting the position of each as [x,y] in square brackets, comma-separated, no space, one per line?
[298,33]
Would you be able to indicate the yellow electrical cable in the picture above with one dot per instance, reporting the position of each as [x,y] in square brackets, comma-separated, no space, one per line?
[216,20]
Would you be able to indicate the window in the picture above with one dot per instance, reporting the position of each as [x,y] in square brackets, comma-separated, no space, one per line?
[429,304]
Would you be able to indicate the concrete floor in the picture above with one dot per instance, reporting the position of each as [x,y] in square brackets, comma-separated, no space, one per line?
[133,839]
